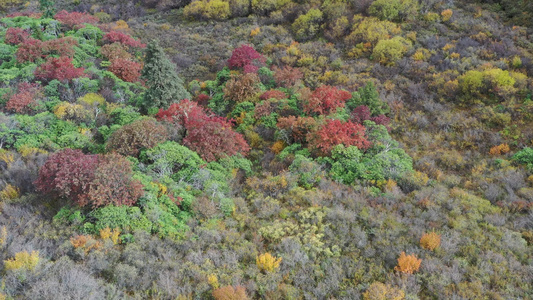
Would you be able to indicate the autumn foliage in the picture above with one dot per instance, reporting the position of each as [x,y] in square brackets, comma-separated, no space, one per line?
[408,264]
[89,180]
[245,57]
[268,263]
[179,113]
[211,136]
[500,149]
[335,132]
[297,128]
[273,94]
[68,174]
[15,35]
[61,69]
[114,51]
[242,88]
[112,183]
[71,19]
[287,76]
[430,241]
[360,114]
[381,291]
[30,50]
[230,293]
[62,47]
[130,139]
[24,101]
[122,38]
[126,69]
[325,99]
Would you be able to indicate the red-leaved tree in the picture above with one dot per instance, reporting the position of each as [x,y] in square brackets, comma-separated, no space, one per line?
[247,58]
[62,46]
[126,69]
[120,37]
[60,68]
[72,19]
[179,113]
[202,99]
[360,114]
[297,128]
[15,35]
[25,100]
[211,136]
[29,50]
[89,180]
[381,120]
[325,99]
[112,183]
[335,132]
[28,14]
[68,174]
[287,76]
[273,94]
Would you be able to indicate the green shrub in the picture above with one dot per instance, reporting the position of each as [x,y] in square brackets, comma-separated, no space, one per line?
[388,52]
[369,96]
[126,218]
[394,10]
[525,157]
[172,159]
[307,25]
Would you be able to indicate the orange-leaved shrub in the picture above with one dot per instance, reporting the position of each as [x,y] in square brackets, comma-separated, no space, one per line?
[430,241]
[408,264]
[230,293]
[499,149]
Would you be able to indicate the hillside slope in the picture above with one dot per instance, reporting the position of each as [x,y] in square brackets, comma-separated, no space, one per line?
[266,150]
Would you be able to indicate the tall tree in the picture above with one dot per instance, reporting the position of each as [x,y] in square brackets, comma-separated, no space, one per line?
[164,85]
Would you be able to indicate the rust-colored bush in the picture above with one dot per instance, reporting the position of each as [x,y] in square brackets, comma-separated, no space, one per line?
[408,264]
[500,149]
[242,88]
[430,241]
[141,134]
[230,293]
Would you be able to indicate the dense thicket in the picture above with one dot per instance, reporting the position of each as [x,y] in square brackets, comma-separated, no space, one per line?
[266,150]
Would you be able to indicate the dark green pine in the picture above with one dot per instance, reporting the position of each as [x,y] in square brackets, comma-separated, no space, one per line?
[164,85]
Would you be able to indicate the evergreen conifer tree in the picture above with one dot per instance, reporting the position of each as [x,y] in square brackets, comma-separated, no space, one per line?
[164,85]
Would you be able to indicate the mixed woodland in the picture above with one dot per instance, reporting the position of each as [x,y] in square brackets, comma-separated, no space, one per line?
[266,149]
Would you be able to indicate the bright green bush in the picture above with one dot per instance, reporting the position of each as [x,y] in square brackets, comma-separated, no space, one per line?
[388,52]
[126,218]
[471,83]
[525,157]
[394,10]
